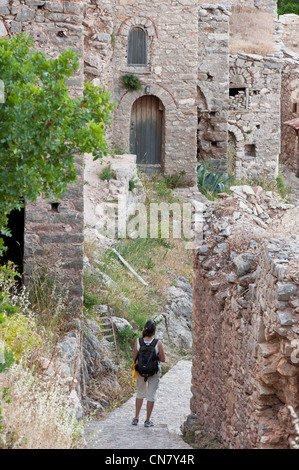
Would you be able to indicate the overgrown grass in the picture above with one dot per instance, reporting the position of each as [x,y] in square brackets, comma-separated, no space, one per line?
[277,186]
[251,31]
[107,174]
[154,259]
[34,409]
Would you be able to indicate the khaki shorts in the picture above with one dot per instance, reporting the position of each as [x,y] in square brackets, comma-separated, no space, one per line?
[149,388]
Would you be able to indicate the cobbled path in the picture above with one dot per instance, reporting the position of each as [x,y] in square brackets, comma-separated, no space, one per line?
[170,410]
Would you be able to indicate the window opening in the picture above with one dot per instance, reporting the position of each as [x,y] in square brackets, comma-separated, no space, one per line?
[250,150]
[54,206]
[137,47]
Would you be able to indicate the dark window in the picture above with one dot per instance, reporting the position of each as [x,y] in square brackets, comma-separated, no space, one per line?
[137,47]
[295,107]
[233,91]
[54,206]
[250,150]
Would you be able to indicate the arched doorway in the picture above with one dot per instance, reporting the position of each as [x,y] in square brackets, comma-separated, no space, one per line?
[146,130]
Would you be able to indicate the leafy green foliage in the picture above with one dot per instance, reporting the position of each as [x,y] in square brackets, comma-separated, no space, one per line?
[125,341]
[131,82]
[41,126]
[210,183]
[18,328]
[288,6]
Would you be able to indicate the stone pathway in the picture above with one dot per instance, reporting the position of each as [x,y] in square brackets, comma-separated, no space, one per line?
[170,410]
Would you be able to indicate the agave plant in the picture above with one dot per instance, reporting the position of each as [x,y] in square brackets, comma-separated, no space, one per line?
[209,183]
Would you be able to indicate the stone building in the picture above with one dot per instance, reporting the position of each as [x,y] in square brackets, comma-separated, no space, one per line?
[290,92]
[196,102]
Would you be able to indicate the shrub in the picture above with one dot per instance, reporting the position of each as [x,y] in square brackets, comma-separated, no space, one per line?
[288,6]
[107,174]
[20,335]
[131,82]
[210,183]
[175,180]
[35,412]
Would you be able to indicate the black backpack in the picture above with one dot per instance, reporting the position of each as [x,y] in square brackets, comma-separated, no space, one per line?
[147,359]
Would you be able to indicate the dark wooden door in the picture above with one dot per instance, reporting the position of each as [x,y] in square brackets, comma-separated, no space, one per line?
[146,130]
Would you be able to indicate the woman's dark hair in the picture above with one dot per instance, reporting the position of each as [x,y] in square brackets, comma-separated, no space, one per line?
[149,328]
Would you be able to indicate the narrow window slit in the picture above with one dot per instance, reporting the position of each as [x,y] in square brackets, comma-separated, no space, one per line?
[54,206]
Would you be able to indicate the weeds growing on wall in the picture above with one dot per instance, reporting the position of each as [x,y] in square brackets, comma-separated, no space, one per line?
[107,174]
[131,82]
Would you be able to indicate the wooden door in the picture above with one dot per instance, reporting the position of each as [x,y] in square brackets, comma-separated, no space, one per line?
[146,130]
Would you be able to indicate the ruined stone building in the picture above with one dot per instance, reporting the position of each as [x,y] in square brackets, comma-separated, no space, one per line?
[199,100]
[196,99]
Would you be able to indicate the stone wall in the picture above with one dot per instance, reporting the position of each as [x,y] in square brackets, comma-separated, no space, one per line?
[99,42]
[212,89]
[245,323]
[54,239]
[267,5]
[254,114]
[290,31]
[289,111]
[171,75]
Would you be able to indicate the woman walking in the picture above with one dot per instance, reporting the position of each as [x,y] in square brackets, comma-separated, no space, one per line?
[147,387]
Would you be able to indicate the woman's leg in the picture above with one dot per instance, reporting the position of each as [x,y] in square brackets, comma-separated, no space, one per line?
[149,409]
[153,385]
[138,406]
[140,395]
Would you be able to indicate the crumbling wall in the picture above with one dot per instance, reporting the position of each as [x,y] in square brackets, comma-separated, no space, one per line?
[99,39]
[254,109]
[267,5]
[290,31]
[245,322]
[289,111]
[212,90]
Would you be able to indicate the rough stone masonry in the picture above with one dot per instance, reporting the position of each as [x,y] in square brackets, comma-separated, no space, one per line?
[246,322]
[244,346]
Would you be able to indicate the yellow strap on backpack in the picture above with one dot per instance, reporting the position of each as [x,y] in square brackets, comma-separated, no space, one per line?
[134,371]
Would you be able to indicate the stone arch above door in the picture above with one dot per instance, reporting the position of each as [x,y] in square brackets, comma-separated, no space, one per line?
[128,98]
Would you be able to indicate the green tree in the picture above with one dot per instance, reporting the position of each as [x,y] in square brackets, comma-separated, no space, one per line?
[41,126]
[288,6]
